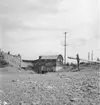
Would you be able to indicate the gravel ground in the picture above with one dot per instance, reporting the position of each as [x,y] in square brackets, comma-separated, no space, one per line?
[67,90]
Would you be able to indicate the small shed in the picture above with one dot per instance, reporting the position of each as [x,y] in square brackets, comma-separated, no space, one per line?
[51,61]
[58,59]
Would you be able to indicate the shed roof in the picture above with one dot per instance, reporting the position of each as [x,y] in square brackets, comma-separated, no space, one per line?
[49,57]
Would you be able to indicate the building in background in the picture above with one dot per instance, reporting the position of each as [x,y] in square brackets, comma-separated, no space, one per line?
[51,62]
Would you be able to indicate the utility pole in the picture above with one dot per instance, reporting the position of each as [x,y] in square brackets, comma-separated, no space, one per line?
[65,48]
[89,58]
[92,55]
[88,55]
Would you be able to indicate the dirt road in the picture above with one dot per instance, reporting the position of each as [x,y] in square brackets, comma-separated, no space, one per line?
[65,88]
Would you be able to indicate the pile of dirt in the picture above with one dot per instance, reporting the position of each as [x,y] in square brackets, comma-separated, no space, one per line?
[68,90]
[9,59]
[3,63]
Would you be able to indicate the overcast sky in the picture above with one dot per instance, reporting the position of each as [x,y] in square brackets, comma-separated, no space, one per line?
[36,27]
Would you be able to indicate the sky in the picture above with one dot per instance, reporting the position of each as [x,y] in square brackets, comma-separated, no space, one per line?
[36,27]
